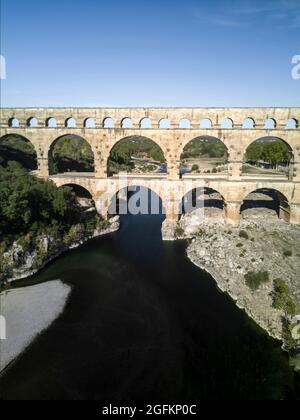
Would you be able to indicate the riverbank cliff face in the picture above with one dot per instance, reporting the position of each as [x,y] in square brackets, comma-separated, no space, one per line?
[260,247]
[26,257]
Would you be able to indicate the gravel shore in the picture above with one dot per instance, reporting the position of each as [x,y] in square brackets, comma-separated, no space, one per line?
[28,311]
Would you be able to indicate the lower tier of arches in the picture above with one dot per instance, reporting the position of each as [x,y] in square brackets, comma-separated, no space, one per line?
[231,200]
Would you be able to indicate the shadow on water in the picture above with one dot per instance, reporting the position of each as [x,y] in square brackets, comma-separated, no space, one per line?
[144,323]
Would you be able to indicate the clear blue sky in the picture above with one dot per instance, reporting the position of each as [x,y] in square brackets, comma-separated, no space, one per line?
[151,53]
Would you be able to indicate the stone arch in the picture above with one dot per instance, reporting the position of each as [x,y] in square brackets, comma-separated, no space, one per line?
[249,123]
[108,122]
[201,198]
[127,123]
[227,123]
[14,122]
[196,148]
[32,122]
[27,156]
[51,122]
[89,123]
[184,123]
[150,203]
[253,156]
[84,196]
[164,123]
[145,123]
[54,167]
[271,199]
[270,124]
[292,124]
[206,123]
[135,138]
[70,122]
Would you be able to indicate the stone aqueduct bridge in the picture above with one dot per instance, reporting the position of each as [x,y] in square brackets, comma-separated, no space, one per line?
[184,126]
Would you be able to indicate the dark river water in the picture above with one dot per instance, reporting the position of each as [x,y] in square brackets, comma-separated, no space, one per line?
[143,323]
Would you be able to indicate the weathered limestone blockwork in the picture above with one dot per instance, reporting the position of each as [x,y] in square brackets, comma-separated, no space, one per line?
[234,187]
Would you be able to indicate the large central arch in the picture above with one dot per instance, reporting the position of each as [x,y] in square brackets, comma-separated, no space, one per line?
[132,151]
[136,199]
[70,153]
[203,199]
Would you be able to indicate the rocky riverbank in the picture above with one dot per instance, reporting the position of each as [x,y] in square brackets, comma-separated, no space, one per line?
[249,262]
[27,256]
[257,264]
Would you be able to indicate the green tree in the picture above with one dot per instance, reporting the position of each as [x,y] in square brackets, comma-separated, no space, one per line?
[29,204]
[271,151]
[136,146]
[282,297]
[72,153]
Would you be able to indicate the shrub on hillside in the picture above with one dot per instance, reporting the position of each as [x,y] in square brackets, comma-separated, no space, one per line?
[243,234]
[282,297]
[255,280]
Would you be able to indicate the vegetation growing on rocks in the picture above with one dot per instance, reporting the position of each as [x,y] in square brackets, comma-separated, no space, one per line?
[216,251]
[290,343]
[37,219]
[243,234]
[255,280]
[32,205]
[287,253]
[179,232]
[282,297]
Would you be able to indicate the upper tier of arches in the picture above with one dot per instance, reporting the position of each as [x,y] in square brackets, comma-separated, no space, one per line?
[146,122]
